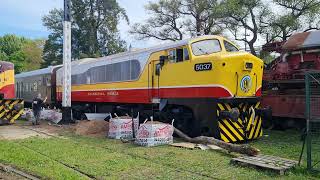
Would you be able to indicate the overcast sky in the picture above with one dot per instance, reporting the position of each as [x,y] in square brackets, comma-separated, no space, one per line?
[23,17]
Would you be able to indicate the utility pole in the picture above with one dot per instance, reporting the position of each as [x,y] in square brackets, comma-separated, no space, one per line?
[66,94]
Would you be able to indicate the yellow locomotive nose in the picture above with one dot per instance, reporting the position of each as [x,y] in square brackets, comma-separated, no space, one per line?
[248,77]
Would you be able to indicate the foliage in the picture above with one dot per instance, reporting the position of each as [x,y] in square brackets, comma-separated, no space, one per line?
[33,54]
[248,21]
[94,30]
[296,15]
[24,53]
[173,20]
[245,19]
[3,56]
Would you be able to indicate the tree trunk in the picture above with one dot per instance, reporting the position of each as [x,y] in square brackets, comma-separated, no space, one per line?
[252,50]
[243,149]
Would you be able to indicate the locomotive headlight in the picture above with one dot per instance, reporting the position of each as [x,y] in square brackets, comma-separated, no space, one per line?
[248,66]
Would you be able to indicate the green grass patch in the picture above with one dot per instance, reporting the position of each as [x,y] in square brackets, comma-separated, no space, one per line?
[57,158]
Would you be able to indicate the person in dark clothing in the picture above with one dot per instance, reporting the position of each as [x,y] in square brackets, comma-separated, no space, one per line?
[37,104]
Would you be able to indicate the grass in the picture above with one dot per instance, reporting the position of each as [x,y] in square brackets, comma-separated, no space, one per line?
[78,157]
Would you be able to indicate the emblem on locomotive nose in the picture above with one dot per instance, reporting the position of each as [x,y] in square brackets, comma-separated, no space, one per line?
[246,84]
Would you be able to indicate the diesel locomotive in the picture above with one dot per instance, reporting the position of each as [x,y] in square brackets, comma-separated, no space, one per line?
[10,108]
[205,83]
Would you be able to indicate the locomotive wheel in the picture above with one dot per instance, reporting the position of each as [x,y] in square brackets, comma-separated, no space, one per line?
[183,118]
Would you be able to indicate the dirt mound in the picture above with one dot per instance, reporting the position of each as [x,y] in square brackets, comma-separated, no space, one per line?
[94,128]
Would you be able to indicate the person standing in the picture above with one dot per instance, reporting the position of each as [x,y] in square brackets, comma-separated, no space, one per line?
[37,104]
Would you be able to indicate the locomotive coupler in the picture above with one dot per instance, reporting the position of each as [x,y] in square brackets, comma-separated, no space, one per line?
[233,114]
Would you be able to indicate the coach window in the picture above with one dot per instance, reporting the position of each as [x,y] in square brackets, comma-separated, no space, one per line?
[35,86]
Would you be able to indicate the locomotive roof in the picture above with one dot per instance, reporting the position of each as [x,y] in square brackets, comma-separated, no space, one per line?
[142,55]
[6,63]
[160,47]
[47,70]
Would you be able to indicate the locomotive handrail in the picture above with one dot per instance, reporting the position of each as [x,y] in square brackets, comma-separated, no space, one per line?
[237,84]
[255,89]
[150,96]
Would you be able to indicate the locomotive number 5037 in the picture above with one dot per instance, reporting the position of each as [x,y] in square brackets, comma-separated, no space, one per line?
[203,67]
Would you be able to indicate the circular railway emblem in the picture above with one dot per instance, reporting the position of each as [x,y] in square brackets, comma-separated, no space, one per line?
[246,83]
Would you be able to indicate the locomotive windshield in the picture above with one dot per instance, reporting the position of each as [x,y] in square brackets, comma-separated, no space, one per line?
[230,47]
[205,47]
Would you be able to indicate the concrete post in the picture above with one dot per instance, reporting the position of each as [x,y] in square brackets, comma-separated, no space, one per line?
[66,94]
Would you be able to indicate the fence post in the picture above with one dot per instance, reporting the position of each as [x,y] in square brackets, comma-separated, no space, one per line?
[307,115]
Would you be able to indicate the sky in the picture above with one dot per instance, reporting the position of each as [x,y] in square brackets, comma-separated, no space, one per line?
[23,18]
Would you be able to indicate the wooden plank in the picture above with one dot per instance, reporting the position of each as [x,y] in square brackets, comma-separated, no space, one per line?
[257,164]
[273,163]
[272,160]
[184,145]
[277,158]
[214,147]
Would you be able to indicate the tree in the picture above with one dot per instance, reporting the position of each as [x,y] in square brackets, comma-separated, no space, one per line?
[173,19]
[297,15]
[11,43]
[3,56]
[244,16]
[203,20]
[24,53]
[94,30]
[18,59]
[32,50]
[52,52]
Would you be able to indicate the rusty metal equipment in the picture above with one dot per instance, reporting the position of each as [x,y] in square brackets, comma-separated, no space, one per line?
[283,81]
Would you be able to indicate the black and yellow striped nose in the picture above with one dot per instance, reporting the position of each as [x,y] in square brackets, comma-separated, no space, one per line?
[246,127]
[10,110]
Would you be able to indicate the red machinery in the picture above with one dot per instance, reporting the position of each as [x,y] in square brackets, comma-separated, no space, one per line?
[284,84]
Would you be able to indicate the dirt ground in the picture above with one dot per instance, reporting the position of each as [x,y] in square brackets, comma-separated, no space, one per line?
[13,132]
[92,128]
[24,129]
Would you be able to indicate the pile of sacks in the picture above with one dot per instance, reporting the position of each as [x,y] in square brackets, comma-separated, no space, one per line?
[123,127]
[147,134]
[154,134]
[46,114]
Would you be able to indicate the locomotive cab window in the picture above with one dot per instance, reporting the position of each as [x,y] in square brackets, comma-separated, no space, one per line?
[178,55]
[186,54]
[172,55]
[230,47]
[205,47]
